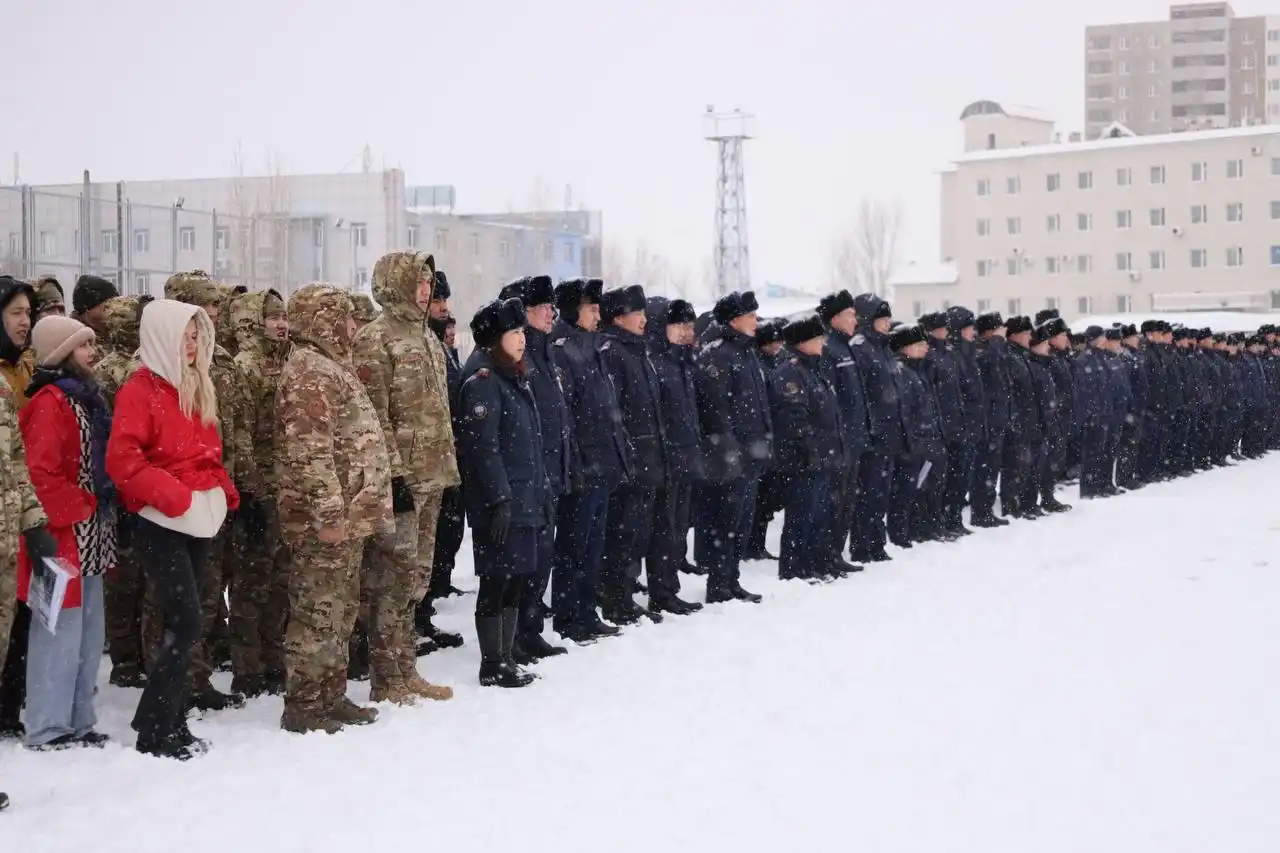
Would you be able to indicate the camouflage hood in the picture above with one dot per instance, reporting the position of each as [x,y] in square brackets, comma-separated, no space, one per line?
[366,309]
[318,318]
[48,295]
[395,283]
[122,317]
[193,288]
[247,314]
[226,329]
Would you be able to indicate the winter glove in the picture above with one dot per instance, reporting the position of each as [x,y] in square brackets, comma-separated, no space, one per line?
[499,523]
[254,514]
[40,543]
[401,496]
[549,507]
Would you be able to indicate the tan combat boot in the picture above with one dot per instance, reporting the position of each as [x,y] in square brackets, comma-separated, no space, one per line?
[392,690]
[350,714]
[426,689]
[303,720]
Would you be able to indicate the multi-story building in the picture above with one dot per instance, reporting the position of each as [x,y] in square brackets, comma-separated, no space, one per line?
[1144,223]
[1201,68]
[280,231]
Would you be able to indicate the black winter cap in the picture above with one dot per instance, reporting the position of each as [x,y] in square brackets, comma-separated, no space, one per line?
[441,290]
[804,327]
[495,319]
[1092,333]
[833,303]
[1039,336]
[90,292]
[680,311]
[771,331]
[905,336]
[531,290]
[989,322]
[933,321]
[1112,334]
[1053,327]
[1267,329]
[1018,325]
[621,300]
[1077,339]
[1129,330]
[735,305]
[1047,314]
[959,318]
[1149,326]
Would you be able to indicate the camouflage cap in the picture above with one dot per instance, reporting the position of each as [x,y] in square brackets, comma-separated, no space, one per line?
[48,294]
[193,288]
[366,308]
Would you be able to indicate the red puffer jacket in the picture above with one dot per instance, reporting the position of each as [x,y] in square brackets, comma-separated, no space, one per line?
[52,438]
[157,456]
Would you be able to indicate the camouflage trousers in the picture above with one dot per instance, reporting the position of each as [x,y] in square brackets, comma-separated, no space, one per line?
[123,596]
[8,604]
[397,572]
[259,598]
[324,599]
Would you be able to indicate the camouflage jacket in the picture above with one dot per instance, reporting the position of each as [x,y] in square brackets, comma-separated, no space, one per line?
[333,461]
[119,351]
[260,362]
[402,365]
[21,509]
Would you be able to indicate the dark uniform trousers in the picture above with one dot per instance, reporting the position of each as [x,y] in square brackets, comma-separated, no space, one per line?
[628,528]
[812,506]
[1016,469]
[668,545]
[728,509]
[868,536]
[533,593]
[982,493]
[962,456]
[845,486]
[579,550]
[1094,474]
[449,531]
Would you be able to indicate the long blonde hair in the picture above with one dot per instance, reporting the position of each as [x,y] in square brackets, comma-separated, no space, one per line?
[196,394]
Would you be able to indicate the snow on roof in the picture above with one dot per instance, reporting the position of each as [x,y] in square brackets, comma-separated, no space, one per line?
[989,107]
[1116,130]
[1124,142]
[945,272]
[1219,321]
[1024,111]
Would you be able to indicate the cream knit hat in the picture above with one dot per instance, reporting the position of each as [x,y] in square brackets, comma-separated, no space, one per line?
[56,337]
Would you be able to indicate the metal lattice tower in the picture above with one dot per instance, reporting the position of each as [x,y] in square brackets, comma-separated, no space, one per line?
[728,131]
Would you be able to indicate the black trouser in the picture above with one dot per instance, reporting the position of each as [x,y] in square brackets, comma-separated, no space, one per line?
[13,678]
[846,486]
[628,527]
[1128,464]
[499,592]
[174,563]
[1094,474]
[1016,469]
[669,544]
[533,594]
[449,530]
[982,493]
[769,502]
[961,458]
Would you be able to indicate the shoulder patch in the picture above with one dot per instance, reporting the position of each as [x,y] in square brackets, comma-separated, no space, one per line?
[792,389]
[712,370]
[317,409]
[482,373]
[479,411]
[364,373]
[859,338]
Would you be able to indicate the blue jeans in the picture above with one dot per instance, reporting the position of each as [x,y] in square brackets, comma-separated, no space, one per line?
[62,669]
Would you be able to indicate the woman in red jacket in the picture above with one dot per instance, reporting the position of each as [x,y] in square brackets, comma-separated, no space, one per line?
[65,427]
[166,460]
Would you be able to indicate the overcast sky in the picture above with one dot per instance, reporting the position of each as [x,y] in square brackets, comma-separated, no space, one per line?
[851,98]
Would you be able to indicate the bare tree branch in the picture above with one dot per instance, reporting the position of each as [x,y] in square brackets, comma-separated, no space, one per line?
[865,256]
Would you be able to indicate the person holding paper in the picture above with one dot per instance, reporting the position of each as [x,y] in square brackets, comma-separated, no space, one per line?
[65,426]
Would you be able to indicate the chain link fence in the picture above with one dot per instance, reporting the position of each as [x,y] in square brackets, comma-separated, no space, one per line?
[138,246]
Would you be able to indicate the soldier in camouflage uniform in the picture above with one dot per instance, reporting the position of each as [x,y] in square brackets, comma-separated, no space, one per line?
[124,596]
[260,591]
[196,288]
[334,493]
[49,299]
[366,310]
[226,327]
[402,366]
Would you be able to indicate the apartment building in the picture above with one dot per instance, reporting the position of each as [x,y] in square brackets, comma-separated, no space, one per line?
[1200,69]
[1181,221]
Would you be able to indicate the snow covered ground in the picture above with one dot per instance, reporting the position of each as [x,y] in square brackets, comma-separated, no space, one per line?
[1100,681]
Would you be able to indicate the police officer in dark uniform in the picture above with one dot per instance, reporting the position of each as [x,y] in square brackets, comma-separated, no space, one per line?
[737,432]
[838,365]
[992,358]
[942,373]
[1094,398]
[810,451]
[770,499]
[1128,462]
[1025,432]
[870,348]
[1041,483]
[537,294]
[919,472]
[1066,428]
[597,464]
[960,469]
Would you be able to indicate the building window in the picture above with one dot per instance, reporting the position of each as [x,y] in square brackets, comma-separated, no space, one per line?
[1015,307]
[1153,42]
[984,227]
[141,241]
[1199,259]
[984,186]
[222,238]
[984,305]
[1155,259]
[317,240]
[568,257]
[1235,211]
[109,242]
[1084,305]
[1246,37]
[413,236]
[1157,217]
[1124,262]
[1051,265]
[1157,174]
[1247,63]
[1273,35]
[1124,218]
[1014,224]
[1124,68]
[1155,115]
[986,268]
[1273,60]
[504,248]
[548,252]
[1275,256]
[917,308]
[1235,169]
[1247,88]
[1084,221]
[1124,177]
[1053,182]
[1013,185]
[1122,93]
[442,239]
[1052,303]
[360,234]
[1199,172]
[1199,214]
[48,244]
[1122,116]
[475,245]
[187,239]
[1012,265]
[1275,167]
[1123,43]
[1273,85]
[1122,303]
[141,283]
[1152,91]
[1235,256]
[1084,180]
[991,141]
[1275,210]
[1053,223]
[1084,263]
[362,278]
[1153,66]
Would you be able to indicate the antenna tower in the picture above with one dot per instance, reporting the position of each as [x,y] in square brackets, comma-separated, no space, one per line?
[728,130]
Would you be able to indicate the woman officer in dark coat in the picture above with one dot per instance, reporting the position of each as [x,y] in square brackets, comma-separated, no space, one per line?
[506,484]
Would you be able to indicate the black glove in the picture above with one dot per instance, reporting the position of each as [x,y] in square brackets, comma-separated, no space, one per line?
[40,543]
[499,523]
[401,496]
[549,507]
[253,512]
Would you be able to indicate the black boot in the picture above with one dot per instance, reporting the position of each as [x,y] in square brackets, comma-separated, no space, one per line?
[494,669]
[537,648]
[673,604]
[510,627]
[206,697]
[4,801]
[443,639]
[128,677]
